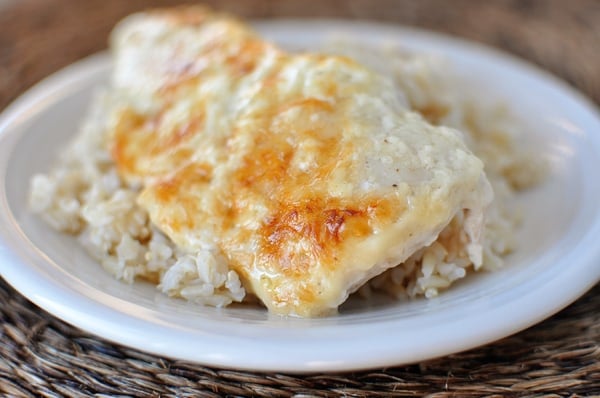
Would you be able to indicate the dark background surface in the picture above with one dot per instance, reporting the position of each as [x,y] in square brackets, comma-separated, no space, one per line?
[42,356]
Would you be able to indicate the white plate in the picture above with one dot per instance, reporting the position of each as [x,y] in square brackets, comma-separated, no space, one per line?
[558,261]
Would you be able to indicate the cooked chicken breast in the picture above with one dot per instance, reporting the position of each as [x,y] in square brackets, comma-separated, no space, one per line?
[306,172]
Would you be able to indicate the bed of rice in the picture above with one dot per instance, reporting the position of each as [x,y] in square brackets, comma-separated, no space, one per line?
[84,196]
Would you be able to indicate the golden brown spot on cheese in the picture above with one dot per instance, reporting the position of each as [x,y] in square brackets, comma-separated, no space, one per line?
[332,89]
[178,191]
[311,104]
[298,236]
[187,178]
[267,167]
[179,134]
[240,59]
[128,128]
[141,139]
[174,86]
[245,59]
[266,164]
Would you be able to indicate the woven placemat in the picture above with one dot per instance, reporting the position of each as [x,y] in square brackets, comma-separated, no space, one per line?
[42,356]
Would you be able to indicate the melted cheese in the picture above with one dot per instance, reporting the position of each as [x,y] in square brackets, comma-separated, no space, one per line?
[306,171]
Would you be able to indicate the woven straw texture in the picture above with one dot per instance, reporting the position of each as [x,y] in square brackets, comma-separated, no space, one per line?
[42,356]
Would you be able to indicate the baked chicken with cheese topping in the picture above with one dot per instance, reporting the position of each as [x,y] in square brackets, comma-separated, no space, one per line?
[305,172]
